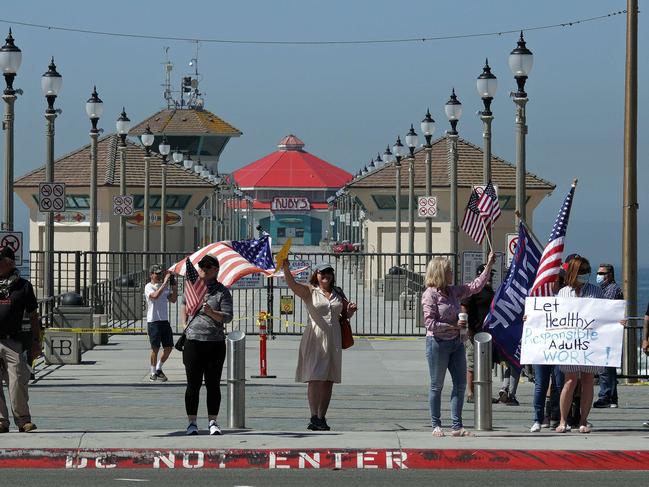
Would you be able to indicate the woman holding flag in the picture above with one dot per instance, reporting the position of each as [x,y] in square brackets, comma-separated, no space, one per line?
[209,308]
[445,337]
[320,358]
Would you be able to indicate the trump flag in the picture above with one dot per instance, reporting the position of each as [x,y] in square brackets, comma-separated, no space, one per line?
[505,318]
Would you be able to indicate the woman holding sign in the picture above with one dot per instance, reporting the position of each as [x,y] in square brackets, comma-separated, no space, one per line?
[578,286]
[446,332]
[320,358]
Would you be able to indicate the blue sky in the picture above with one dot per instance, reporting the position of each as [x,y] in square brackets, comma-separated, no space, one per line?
[348,102]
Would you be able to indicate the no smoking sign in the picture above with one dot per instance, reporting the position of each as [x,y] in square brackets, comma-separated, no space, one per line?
[51,197]
[427,206]
[123,205]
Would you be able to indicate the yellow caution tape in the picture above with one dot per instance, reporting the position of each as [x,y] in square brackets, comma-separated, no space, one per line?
[97,330]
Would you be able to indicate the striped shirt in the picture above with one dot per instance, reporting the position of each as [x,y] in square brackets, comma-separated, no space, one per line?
[441,308]
[588,290]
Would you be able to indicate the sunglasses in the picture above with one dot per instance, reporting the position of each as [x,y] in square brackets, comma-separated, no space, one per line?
[603,273]
[207,267]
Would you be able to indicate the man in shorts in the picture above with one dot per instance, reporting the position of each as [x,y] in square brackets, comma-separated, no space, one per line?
[159,292]
[477,307]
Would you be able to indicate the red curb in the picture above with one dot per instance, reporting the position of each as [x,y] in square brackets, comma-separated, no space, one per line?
[58,458]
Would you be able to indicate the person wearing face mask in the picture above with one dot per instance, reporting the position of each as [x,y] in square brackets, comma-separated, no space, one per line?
[608,377]
[577,285]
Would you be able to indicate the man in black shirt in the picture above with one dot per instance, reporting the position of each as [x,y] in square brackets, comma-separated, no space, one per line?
[477,307]
[16,299]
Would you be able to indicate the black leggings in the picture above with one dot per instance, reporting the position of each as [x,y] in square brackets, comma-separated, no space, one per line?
[203,359]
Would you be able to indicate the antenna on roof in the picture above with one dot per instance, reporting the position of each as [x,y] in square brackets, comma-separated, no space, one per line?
[190,85]
[168,68]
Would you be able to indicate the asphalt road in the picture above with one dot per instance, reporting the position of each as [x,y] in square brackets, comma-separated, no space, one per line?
[324,478]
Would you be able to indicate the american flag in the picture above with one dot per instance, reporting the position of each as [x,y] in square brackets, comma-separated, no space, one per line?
[195,289]
[237,258]
[472,221]
[551,259]
[488,204]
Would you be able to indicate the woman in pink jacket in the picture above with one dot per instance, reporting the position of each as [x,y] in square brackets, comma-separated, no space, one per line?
[445,337]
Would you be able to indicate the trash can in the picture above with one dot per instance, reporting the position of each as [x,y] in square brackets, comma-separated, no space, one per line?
[394,285]
[72,314]
[127,300]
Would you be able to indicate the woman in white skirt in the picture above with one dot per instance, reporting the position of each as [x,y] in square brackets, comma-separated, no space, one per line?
[320,359]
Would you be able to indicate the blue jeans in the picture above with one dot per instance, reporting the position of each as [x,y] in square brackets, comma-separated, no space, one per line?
[608,385]
[542,375]
[443,355]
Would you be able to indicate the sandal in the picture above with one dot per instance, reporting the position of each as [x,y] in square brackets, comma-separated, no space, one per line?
[461,433]
[437,432]
[585,429]
[562,428]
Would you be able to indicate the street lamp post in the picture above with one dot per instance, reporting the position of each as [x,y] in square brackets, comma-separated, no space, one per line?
[147,139]
[122,125]
[453,109]
[428,129]
[411,142]
[486,85]
[51,82]
[94,110]
[10,60]
[164,148]
[520,63]
[399,152]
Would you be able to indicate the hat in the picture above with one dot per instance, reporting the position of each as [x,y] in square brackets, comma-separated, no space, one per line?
[322,266]
[155,269]
[208,260]
[481,269]
[7,253]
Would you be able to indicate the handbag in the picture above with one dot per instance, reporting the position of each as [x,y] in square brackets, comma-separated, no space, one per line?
[180,343]
[345,325]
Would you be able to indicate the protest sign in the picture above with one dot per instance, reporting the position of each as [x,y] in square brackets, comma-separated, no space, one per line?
[573,331]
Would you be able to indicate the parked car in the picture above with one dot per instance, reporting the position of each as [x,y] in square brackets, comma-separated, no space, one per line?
[343,247]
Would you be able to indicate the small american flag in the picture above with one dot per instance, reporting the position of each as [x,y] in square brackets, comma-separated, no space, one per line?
[472,222]
[488,204]
[195,289]
[551,259]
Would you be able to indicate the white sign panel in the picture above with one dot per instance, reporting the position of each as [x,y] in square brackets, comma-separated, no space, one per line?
[287,203]
[251,281]
[51,197]
[123,205]
[471,260]
[13,240]
[427,206]
[511,241]
[302,277]
[573,331]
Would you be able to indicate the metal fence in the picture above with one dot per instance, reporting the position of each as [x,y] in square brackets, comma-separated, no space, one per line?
[386,287]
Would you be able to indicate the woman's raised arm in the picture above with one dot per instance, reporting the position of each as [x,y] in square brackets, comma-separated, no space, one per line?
[301,290]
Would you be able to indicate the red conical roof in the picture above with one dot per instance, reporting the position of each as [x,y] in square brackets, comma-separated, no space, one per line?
[291,167]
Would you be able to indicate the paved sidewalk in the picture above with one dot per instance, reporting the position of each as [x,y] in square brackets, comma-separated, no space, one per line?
[108,402]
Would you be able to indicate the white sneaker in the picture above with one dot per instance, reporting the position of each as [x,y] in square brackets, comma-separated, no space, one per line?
[192,429]
[536,427]
[214,428]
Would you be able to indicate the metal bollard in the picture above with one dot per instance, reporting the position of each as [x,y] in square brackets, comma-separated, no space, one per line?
[236,341]
[482,381]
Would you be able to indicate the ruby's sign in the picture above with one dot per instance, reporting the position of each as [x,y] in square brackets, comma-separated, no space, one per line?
[287,203]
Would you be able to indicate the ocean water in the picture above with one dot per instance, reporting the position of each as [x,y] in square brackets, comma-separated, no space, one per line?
[643,290]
